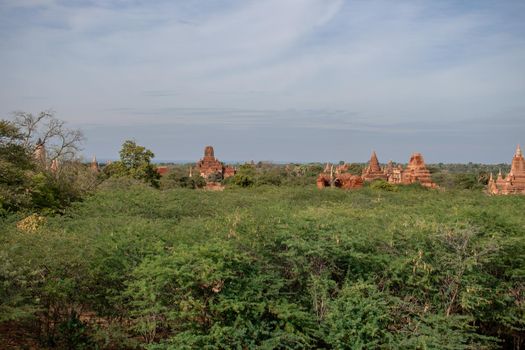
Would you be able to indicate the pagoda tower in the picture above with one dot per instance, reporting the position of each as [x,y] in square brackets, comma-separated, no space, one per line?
[514,182]
[94,165]
[416,171]
[39,154]
[373,170]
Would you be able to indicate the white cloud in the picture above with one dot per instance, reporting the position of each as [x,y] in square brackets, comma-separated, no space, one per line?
[378,61]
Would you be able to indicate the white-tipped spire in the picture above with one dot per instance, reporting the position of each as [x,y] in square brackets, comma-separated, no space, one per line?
[518,151]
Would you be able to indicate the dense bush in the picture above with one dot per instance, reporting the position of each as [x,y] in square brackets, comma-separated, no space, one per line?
[135,163]
[269,268]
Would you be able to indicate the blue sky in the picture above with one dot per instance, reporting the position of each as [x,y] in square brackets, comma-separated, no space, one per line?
[281,80]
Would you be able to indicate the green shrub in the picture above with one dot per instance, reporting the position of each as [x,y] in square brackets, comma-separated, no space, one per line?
[383,185]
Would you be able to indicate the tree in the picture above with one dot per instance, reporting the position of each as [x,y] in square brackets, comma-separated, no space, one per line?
[26,184]
[135,162]
[245,177]
[15,163]
[61,142]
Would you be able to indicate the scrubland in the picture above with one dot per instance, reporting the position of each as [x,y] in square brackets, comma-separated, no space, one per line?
[267,268]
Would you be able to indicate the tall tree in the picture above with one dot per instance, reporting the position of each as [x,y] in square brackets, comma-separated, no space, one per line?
[15,161]
[135,162]
[60,141]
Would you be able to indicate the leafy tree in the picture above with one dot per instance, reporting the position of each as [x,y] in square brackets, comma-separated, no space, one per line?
[15,167]
[135,162]
[245,176]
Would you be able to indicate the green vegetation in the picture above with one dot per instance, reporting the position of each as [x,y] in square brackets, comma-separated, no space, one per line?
[269,267]
[27,185]
[124,259]
[135,163]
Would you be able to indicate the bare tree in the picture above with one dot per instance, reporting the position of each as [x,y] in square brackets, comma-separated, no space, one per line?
[60,142]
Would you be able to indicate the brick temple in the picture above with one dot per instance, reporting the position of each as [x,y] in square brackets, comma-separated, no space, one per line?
[210,168]
[514,182]
[373,171]
[415,172]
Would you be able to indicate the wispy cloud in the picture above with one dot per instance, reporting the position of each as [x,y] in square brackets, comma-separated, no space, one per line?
[366,66]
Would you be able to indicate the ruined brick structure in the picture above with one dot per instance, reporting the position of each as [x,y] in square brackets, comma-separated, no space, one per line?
[228,172]
[339,178]
[162,170]
[514,182]
[348,181]
[415,172]
[373,171]
[394,174]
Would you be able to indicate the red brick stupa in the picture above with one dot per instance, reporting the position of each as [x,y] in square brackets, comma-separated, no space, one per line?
[373,170]
[514,182]
[209,166]
[417,171]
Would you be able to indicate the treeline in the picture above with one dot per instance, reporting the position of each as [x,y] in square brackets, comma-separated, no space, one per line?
[448,176]
[60,176]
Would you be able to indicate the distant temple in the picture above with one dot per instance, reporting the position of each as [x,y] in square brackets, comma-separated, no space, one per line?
[39,154]
[210,168]
[54,166]
[415,172]
[162,170]
[514,182]
[94,165]
[373,171]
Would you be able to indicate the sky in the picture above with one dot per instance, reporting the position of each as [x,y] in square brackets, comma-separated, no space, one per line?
[273,80]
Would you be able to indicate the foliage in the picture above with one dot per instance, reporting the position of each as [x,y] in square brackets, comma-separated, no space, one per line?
[61,142]
[245,176]
[383,185]
[135,162]
[178,179]
[29,185]
[15,165]
[270,268]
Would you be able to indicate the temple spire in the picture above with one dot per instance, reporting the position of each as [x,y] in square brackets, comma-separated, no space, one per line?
[518,151]
[94,164]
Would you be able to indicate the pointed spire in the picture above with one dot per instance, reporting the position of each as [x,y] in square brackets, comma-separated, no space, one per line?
[94,164]
[54,165]
[39,154]
[518,152]
[373,165]
[500,176]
